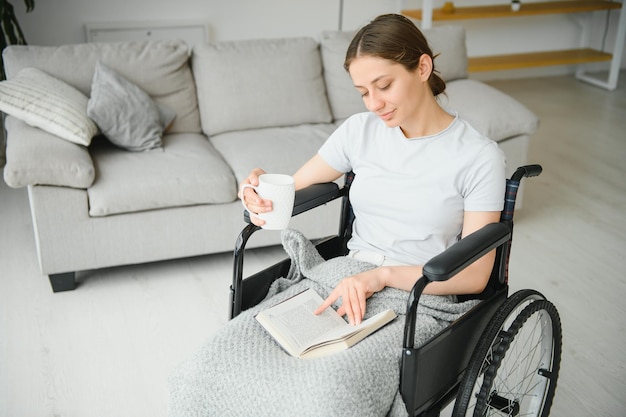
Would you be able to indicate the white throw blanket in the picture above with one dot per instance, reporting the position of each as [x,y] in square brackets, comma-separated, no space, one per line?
[242,371]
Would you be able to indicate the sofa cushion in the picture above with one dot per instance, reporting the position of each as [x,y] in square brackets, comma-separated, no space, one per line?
[187,171]
[160,68]
[259,83]
[490,111]
[446,42]
[448,46]
[344,99]
[36,157]
[43,101]
[276,150]
[126,115]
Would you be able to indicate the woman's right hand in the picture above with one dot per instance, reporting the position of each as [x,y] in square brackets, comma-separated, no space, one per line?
[251,199]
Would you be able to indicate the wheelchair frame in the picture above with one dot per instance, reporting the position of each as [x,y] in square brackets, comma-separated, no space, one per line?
[470,343]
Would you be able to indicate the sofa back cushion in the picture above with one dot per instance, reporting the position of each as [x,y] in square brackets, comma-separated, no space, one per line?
[259,83]
[160,68]
[344,99]
[446,42]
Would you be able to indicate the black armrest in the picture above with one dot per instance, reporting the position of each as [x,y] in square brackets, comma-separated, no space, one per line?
[311,197]
[314,196]
[463,253]
[449,263]
[305,200]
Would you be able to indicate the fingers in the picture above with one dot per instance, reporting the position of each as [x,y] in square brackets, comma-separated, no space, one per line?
[251,199]
[254,203]
[334,296]
[357,304]
[353,301]
[252,179]
[257,221]
[353,304]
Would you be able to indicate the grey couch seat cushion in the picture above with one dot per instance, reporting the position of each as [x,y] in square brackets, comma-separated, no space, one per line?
[491,112]
[186,171]
[280,150]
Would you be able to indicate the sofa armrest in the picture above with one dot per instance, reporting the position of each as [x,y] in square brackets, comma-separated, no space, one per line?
[35,157]
[490,111]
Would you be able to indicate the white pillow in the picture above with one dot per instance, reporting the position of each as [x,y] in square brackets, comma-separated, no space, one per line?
[48,103]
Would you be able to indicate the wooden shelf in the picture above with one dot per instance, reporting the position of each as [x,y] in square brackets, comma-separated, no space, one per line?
[536,59]
[527,9]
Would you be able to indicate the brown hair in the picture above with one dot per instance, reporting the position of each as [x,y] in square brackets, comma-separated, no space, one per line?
[396,38]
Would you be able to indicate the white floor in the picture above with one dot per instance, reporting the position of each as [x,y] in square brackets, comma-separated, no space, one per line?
[106,348]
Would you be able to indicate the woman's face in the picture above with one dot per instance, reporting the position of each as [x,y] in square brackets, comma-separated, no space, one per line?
[388,89]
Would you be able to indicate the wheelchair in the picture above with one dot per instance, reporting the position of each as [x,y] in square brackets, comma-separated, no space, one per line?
[501,358]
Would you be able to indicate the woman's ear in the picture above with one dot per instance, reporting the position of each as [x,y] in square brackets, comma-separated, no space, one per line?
[425,67]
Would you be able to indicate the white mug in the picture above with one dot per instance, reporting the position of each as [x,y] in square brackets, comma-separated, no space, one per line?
[280,190]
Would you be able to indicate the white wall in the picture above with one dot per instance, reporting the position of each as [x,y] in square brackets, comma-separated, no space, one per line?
[55,22]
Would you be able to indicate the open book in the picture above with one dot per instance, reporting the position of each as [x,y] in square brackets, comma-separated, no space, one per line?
[305,335]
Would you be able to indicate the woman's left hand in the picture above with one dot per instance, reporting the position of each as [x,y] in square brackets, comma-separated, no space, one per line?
[354,292]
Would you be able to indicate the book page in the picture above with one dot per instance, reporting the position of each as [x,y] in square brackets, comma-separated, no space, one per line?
[341,338]
[295,320]
[303,334]
[342,333]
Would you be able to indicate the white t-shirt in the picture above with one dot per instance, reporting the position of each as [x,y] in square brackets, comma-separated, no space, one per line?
[409,195]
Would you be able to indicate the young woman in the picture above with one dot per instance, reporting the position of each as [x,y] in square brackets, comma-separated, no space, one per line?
[424,177]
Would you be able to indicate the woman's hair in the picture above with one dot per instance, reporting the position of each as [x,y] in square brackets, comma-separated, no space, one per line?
[396,38]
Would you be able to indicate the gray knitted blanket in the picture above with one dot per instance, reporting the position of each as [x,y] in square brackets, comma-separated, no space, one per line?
[241,371]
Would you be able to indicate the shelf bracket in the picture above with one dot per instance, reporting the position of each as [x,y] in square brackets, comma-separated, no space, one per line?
[427,14]
[611,82]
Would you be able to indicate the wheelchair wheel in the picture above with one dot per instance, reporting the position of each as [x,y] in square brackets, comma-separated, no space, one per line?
[514,368]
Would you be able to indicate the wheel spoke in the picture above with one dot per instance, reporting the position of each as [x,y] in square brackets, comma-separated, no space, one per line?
[518,378]
[517,372]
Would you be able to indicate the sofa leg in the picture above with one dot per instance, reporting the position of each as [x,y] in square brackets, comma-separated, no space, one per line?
[63,282]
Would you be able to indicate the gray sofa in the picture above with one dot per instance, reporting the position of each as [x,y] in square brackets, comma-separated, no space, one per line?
[239,105]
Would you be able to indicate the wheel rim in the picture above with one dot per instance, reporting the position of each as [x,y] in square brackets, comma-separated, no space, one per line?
[515,375]
[523,376]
